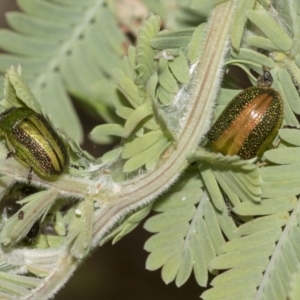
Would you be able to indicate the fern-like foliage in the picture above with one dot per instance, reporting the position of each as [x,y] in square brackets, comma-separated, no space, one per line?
[150,82]
[261,197]
[162,92]
[72,63]
[65,48]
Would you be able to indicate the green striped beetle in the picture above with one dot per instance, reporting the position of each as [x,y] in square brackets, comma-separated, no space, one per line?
[32,140]
[250,121]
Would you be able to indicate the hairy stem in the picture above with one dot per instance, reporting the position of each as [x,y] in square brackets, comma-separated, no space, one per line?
[116,203]
[205,87]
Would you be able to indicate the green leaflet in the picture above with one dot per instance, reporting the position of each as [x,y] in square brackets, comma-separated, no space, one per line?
[36,206]
[170,42]
[213,227]
[50,11]
[126,85]
[167,81]
[280,181]
[241,256]
[272,234]
[195,47]
[105,130]
[233,274]
[289,116]
[114,38]
[170,268]
[207,248]
[112,155]
[171,233]
[14,42]
[154,160]
[177,33]
[172,39]
[263,223]
[223,181]
[142,143]
[232,293]
[284,155]
[247,55]
[130,223]
[239,22]
[34,26]
[19,280]
[81,229]
[266,207]
[271,29]
[180,69]
[164,96]
[159,256]
[185,267]
[144,52]
[140,114]
[12,285]
[213,189]
[145,157]
[200,260]
[291,136]
[289,90]
[163,221]
[227,223]
[125,112]
[129,63]
[261,42]
[16,89]
[36,64]
[179,199]
[151,85]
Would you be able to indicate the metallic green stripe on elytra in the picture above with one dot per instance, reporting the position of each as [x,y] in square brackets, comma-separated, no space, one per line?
[55,143]
[33,142]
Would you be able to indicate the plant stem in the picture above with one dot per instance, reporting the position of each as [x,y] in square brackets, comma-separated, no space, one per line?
[115,204]
[205,86]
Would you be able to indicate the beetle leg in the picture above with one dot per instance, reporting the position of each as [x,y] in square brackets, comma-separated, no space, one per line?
[29,177]
[10,154]
[12,151]
[76,167]
[286,126]
[291,127]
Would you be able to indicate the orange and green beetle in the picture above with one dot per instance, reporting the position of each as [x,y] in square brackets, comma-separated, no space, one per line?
[250,121]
